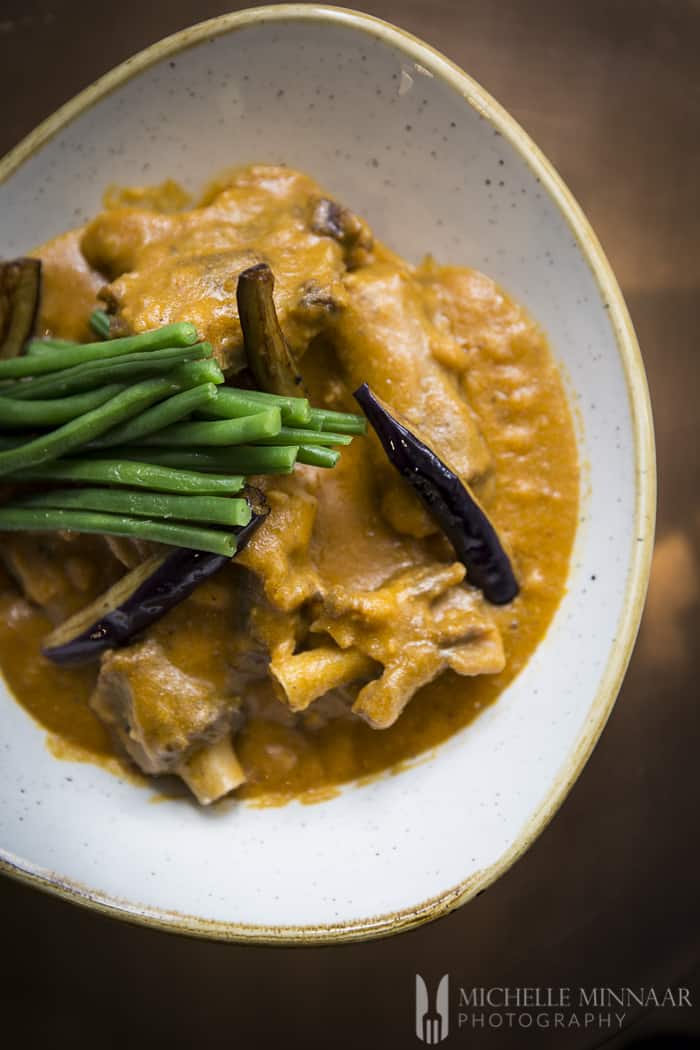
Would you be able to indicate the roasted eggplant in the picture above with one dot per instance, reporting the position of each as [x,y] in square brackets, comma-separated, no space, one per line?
[20,286]
[447,499]
[269,358]
[141,597]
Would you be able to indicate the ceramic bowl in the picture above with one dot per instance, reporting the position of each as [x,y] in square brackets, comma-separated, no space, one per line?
[417,147]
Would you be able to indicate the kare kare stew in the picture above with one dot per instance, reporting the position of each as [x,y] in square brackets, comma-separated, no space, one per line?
[211,565]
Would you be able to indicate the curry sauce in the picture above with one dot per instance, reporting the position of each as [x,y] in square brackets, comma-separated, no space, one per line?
[469,363]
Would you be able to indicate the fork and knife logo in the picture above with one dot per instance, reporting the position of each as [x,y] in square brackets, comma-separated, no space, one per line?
[432,1025]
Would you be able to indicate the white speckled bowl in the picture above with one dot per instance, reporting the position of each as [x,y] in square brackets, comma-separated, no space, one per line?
[412,143]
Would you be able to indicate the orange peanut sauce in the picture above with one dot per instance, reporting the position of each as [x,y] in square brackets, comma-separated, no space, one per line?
[500,361]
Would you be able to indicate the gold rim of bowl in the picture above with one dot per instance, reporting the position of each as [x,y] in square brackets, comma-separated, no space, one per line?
[645,477]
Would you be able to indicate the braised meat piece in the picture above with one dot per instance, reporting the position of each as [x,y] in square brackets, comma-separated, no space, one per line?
[418,624]
[384,337]
[184,266]
[169,721]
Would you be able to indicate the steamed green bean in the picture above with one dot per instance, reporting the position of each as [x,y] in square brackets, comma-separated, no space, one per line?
[47,344]
[79,431]
[299,436]
[233,403]
[240,459]
[263,426]
[25,414]
[295,411]
[14,518]
[317,456]
[340,422]
[135,474]
[212,510]
[100,323]
[161,415]
[96,373]
[168,337]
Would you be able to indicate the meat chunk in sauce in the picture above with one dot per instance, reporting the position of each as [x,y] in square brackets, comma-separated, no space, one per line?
[184,266]
[68,291]
[384,337]
[168,721]
[38,569]
[279,553]
[303,677]
[348,602]
[418,624]
[58,572]
[129,552]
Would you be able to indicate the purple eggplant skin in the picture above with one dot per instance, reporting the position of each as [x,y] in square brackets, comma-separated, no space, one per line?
[20,292]
[173,579]
[269,358]
[448,500]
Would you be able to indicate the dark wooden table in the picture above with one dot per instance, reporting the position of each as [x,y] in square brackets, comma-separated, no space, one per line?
[610,89]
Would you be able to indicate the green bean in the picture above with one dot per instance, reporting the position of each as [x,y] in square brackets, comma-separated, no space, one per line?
[262,426]
[212,510]
[46,346]
[196,373]
[79,431]
[100,323]
[297,436]
[240,459]
[97,373]
[171,336]
[233,403]
[317,456]
[158,417]
[24,414]
[179,535]
[296,411]
[136,474]
[340,422]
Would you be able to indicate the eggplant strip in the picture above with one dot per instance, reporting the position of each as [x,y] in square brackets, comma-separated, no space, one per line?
[269,358]
[447,499]
[140,598]
[20,286]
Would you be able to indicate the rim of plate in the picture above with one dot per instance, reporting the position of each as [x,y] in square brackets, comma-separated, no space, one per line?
[645,478]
